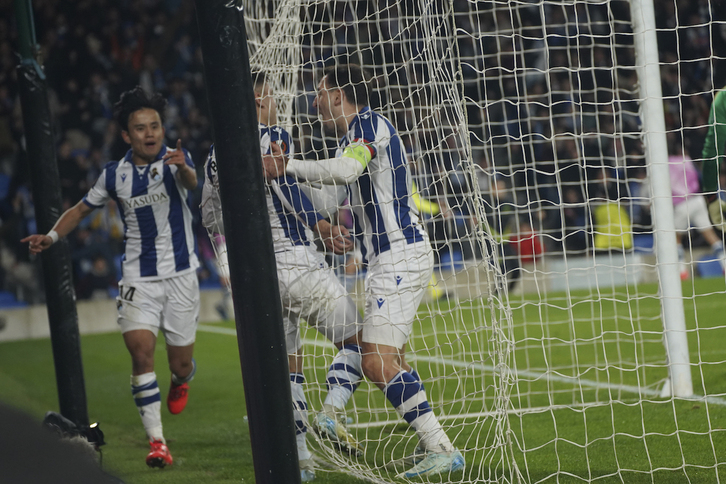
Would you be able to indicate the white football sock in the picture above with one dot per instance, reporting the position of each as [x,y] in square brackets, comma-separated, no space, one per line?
[148,400]
[343,376]
[408,397]
[300,414]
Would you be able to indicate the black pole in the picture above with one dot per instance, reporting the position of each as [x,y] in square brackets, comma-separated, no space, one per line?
[253,274]
[56,261]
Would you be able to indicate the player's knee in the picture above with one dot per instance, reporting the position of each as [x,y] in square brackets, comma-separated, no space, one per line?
[372,365]
[142,361]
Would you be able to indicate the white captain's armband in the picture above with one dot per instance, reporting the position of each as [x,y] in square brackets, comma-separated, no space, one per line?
[359,152]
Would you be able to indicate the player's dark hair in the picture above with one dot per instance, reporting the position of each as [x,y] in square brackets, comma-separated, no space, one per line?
[351,80]
[259,79]
[135,99]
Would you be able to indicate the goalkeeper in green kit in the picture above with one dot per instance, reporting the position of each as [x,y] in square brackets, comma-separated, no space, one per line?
[714,160]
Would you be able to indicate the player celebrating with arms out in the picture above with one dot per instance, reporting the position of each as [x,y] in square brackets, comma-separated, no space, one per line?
[159,288]
[308,286]
[371,161]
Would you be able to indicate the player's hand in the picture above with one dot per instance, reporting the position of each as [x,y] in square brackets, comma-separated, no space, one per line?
[274,163]
[335,237]
[717,212]
[175,156]
[38,243]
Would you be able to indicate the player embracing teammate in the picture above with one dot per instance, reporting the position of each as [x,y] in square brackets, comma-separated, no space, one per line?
[308,287]
[371,163]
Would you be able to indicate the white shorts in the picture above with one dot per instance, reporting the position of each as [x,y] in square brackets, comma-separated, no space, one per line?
[693,212]
[171,305]
[310,290]
[395,285]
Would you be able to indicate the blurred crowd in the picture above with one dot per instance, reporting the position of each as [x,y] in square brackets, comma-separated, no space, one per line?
[552,125]
[92,51]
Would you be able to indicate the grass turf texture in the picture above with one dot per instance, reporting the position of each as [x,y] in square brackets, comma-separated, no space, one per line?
[622,442]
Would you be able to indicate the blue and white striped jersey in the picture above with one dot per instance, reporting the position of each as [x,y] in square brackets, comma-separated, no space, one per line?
[290,210]
[383,210]
[156,213]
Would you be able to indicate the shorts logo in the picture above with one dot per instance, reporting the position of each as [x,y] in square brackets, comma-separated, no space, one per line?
[398,280]
[380,301]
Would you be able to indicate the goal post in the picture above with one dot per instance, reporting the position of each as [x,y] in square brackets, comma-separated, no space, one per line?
[556,340]
[655,143]
[252,273]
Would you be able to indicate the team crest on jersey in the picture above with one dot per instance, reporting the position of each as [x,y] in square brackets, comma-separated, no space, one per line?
[155,175]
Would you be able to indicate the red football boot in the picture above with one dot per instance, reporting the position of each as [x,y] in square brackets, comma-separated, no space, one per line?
[159,455]
[177,398]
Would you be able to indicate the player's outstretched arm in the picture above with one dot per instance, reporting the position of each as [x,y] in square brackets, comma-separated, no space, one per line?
[65,224]
[342,170]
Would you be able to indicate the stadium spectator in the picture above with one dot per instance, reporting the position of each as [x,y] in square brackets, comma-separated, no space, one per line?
[98,281]
[159,289]
[503,227]
[527,242]
[575,221]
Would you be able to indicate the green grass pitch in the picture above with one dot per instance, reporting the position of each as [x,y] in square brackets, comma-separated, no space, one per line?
[571,433]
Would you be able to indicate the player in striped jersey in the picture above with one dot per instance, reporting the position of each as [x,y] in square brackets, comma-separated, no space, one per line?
[308,286]
[159,287]
[371,161]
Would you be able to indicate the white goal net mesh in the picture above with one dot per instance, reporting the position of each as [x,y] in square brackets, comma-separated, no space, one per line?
[541,338]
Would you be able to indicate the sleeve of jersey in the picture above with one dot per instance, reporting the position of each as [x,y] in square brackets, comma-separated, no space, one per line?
[211,208]
[343,170]
[98,195]
[295,200]
[714,147]
[326,199]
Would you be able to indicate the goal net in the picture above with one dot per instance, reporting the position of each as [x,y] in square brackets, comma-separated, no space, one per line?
[554,338]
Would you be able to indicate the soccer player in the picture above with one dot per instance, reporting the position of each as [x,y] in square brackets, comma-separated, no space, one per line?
[689,206]
[159,289]
[371,161]
[308,286]
[714,160]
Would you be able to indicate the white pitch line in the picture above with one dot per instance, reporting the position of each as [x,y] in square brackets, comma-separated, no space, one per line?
[519,373]
[565,379]
[216,329]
